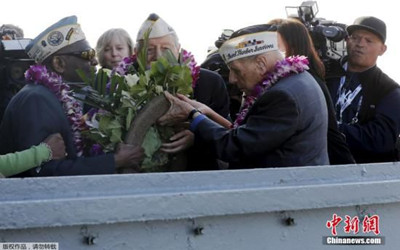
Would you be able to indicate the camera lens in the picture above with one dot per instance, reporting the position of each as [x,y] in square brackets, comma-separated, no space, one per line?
[334,33]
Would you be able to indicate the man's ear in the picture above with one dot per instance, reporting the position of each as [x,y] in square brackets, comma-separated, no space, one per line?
[58,64]
[261,64]
[383,49]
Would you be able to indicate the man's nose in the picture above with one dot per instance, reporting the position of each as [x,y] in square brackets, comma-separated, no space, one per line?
[94,62]
[159,53]
[362,42]
[232,78]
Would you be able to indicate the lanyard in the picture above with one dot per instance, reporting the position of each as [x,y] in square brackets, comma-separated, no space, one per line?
[345,98]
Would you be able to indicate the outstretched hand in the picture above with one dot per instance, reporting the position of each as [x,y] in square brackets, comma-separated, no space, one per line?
[207,111]
[178,112]
[197,105]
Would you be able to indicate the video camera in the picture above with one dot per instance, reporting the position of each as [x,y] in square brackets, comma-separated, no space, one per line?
[214,61]
[14,61]
[328,36]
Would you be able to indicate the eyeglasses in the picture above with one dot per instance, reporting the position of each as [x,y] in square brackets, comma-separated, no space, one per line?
[86,54]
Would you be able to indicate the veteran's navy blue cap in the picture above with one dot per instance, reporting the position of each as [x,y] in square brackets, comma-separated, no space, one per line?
[63,33]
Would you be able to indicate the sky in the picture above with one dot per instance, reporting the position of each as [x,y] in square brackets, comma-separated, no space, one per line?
[197,23]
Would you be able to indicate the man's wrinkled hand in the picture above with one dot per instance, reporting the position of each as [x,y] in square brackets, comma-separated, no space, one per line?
[179,142]
[178,112]
[197,105]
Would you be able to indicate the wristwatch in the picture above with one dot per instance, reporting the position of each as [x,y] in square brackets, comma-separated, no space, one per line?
[193,114]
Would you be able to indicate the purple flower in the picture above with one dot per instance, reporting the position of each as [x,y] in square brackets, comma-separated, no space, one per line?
[123,66]
[92,112]
[258,89]
[96,149]
[187,56]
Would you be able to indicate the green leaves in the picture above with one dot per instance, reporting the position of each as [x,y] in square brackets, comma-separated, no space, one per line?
[111,127]
[169,74]
[155,160]
[120,96]
[142,55]
[152,142]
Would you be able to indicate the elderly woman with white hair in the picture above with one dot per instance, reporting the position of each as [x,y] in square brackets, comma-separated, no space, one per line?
[113,46]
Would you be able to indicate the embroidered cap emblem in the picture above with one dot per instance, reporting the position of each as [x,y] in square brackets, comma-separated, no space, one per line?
[55,38]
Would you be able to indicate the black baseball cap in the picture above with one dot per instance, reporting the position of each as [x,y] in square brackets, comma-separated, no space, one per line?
[370,23]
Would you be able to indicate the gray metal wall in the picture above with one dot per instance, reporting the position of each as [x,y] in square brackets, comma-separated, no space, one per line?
[285,208]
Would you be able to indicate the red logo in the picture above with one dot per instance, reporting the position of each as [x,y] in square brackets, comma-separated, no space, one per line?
[369,224]
[334,223]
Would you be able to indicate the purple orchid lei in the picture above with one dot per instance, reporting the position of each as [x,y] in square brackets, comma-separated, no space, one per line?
[127,62]
[187,56]
[287,67]
[124,65]
[38,74]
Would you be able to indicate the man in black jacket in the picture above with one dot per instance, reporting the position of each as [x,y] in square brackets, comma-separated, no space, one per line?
[44,107]
[367,101]
[283,121]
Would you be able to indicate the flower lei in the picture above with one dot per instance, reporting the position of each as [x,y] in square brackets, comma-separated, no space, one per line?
[38,74]
[193,66]
[287,67]
[127,62]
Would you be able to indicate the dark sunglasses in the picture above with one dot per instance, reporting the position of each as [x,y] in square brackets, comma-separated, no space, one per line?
[86,54]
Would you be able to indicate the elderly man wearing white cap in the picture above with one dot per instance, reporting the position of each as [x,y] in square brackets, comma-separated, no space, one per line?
[45,106]
[283,119]
[209,89]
